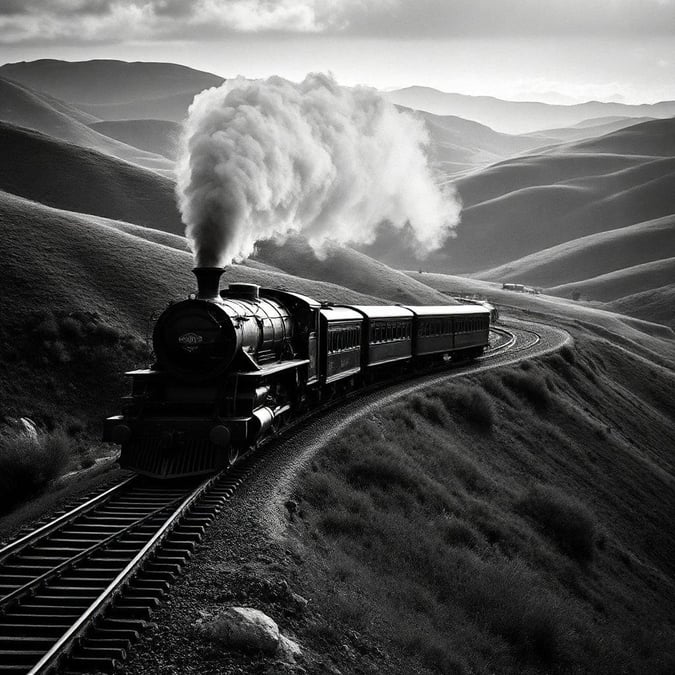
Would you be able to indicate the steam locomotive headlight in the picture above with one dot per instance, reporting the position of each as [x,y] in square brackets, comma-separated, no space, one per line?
[121,434]
[220,435]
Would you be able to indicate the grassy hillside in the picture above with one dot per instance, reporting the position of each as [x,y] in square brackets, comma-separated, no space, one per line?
[528,536]
[628,281]
[591,255]
[523,205]
[459,145]
[66,176]
[348,268]
[157,136]
[108,81]
[586,129]
[656,304]
[24,107]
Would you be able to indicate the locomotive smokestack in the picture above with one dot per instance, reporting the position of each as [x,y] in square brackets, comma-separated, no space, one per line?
[208,282]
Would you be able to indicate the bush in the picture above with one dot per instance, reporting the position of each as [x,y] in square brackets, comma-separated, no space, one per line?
[28,465]
[71,329]
[531,386]
[510,600]
[471,403]
[429,407]
[564,519]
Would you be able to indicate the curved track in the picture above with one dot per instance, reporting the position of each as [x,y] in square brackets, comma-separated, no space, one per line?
[78,589]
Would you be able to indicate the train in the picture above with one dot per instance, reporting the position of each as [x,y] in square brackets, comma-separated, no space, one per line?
[235,366]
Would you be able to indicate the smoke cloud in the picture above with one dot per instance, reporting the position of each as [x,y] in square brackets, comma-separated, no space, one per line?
[261,159]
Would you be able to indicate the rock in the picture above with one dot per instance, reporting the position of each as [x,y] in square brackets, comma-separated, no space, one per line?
[288,650]
[244,628]
[298,601]
[29,428]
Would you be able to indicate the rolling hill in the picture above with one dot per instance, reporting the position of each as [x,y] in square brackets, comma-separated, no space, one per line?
[620,283]
[24,107]
[156,136]
[458,145]
[518,117]
[348,268]
[591,255]
[526,204]
[115,90]
[586,129]
[71,177]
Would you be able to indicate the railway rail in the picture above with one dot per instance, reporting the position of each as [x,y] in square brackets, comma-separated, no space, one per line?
[78,589]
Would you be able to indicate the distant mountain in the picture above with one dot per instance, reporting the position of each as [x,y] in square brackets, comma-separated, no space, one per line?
[24,107]
[67,176]
[458,145]
[585,129]
[517,117]
[156,136]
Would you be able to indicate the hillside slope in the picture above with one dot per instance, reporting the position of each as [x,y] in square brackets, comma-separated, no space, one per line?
[620,283]
[525,204]
[116,90]
[591,255]
[24,107]
[348,268]
[74,178]
[458,145]
[156,136]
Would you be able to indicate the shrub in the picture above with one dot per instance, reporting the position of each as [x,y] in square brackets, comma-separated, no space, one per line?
[71,329]
[471,403]
[429,407]
[105,335]
[564,519]
[48,329]
[531,386]
[27,465]
[510,600]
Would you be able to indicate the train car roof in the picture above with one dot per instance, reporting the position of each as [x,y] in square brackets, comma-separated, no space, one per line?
[340,314]
[382,311]
[447,310]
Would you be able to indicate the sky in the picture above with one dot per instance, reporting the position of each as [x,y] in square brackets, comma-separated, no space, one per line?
[559,51]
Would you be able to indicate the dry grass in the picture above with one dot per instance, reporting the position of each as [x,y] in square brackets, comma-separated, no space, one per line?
[466,531]
[28,465]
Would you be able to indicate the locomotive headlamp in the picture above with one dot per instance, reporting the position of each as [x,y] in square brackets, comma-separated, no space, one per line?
[220,435]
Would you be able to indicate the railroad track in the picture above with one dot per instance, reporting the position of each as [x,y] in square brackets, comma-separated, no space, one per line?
[75,592]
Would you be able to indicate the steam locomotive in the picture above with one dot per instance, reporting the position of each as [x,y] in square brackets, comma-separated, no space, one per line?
[235,365]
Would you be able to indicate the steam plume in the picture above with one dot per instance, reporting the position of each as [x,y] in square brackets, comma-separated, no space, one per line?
[264,158]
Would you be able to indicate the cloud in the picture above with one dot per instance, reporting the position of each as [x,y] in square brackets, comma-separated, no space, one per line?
[123,20]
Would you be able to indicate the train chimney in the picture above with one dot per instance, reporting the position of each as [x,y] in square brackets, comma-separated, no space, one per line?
[208,282]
